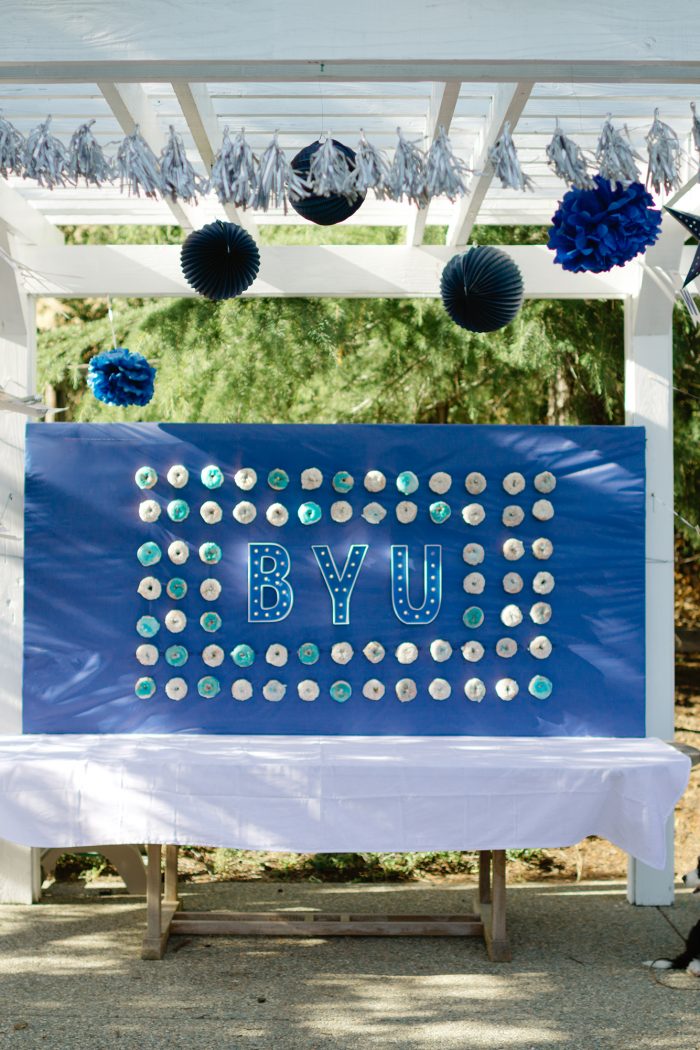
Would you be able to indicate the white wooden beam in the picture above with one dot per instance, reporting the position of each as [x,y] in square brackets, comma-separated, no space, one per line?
[130,106]
[443,100]
[195,102]
[21,220]
[508,103]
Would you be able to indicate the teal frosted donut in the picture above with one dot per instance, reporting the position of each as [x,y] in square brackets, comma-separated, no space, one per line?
[145,477]
[176,588]
[145,688]
[309,513]
[212,478]
[308,653]
[178,509]
[208,687]
[407,482]
[149,553]
[210,553]
[278,479]
[540,687]
[473,617]
[439,512]
[210,621]
[147,626]
[176,655]
[341,691]
[342,481]
[242,655]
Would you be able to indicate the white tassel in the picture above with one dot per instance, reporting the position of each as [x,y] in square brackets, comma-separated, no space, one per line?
[11,149]
[690,305]
[615,157]
[444,171]
[695,130]
[45,157]
[330,173]
[277,182]
[504,158]
[234,172]
[137,166]
[180,180]
[86,158]
[371,169]
[664,156]
[407,175]
[567,161]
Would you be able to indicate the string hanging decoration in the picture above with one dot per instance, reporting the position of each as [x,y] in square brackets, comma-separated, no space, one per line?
[137,166]
[120,377]
[86,158]
[597,229]
[45,157]
[482,289]
[615,156]
[220,261]
[11,149]
[664,151]
[327,168]
[567,161]
[234,173]
[179,179]
[506,165]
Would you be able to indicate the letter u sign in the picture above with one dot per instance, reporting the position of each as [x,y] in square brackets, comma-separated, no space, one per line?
[432,584]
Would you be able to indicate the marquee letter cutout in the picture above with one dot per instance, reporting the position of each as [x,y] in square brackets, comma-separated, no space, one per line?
[432,584]
[340,586]
[268,568]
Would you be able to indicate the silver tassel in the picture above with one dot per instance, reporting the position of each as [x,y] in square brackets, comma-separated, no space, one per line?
[137,166]
[45,157]
[11,149]
[616,157]
[695,129]
[277,182]
[234,172]
[330,173]
[371,169]
[444,171]
[86,159]
[664,151]
[567,161]
[180,180]
[506,166]
[407,175]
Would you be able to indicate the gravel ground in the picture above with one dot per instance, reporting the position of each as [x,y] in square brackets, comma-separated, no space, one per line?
[71,976]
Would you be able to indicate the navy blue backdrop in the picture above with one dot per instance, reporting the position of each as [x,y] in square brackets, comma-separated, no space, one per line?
[81,605]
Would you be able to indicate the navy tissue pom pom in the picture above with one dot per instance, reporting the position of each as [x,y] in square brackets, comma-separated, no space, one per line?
[597,229]
[482,289]
[119,377]
[324,211]
[220,261]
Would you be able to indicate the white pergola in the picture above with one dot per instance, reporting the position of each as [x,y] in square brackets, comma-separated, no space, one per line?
[302,69]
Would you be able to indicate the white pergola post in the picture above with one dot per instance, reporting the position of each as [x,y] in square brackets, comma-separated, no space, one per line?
[20,881]
[649,403]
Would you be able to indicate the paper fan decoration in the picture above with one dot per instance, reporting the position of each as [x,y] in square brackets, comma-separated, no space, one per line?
[329,170]
[220,261]
[482,289]
[119,377]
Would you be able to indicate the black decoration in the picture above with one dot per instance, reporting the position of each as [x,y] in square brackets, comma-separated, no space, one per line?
[324,211]
[692,225]
[220,261]
[482,289]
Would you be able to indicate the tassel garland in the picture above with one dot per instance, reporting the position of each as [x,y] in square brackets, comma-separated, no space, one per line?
[86,159]
[11,149]
[444,171]
[234,173]
[45,157]
[506,165]
[664,156]
[277,181]
[180,180]
[138,167]
[615,157]
[567,161]
[371,169]
[330,173]
[407,174]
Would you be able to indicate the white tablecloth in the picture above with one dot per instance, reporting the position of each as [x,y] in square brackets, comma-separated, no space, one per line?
[337,794]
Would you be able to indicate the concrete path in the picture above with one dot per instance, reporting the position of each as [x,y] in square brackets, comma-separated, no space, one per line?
[71,977]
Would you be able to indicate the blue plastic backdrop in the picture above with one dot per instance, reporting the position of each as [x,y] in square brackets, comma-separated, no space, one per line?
[83,530]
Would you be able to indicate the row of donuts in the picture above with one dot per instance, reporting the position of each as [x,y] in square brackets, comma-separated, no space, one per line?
[406,689]
[407,482]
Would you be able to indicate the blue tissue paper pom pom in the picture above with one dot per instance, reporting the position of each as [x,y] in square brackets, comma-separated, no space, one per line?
[597,229]
[119,377]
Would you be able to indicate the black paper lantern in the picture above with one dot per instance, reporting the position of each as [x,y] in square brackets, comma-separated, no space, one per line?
[482,289]
[220,261]
[324,211]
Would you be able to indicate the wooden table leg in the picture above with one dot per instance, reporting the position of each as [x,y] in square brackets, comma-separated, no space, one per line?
[171,895]
[485,876]
[159,911]
[495,930]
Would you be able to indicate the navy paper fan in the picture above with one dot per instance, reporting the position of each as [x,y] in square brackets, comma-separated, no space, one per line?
[482,289]
[324,211]
[119,377]
[220,261]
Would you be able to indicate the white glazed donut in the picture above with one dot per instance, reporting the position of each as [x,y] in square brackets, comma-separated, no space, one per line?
[308,690]
[439,689]
[241,689]
[245,478]
[147,654]
[406,653]
[507,689]
[545,482]
[473,554]
[512,583]
[473,514]
[540,647]
[543,510]
[373,513]
[277,514]
[474,583]
[472,651]
[210,590]
[150,588]
[512,515]
[440,482]
[511,616]
[440,650]
[475,483]
[274,691]
[277,655]
[311,478]
[342,652]
[543,583]
[176,689]
[373,689]
[514,483]
[178,476]
[178,552]
[244,512]
[542,548]
[374,652]
[211,512]
[175,621]
[406,511]
[513,549]
[406,690]
[506,647]
[474,689]
[149,510]
[213,655]
[541,613]
[374,481]
[341,510]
